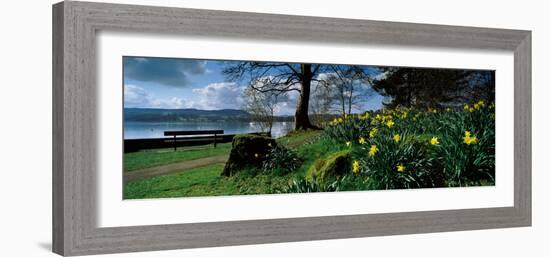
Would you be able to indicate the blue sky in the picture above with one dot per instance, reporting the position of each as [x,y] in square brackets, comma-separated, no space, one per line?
[188,83]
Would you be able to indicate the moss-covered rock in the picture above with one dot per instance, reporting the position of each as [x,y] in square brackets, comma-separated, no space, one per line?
[333,166]
[247,151]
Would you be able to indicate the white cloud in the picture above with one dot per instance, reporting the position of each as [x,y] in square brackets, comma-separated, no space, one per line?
[224,95]
[381,76]
[211,97]
[137,97]
[287,108]
[214,96]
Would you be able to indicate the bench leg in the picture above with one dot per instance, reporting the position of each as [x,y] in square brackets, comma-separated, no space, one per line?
[214,140]
[175,145]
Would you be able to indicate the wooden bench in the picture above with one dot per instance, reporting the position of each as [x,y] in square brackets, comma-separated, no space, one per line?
[175,134]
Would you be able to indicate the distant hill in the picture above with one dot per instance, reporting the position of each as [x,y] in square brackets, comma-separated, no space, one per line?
[175,115]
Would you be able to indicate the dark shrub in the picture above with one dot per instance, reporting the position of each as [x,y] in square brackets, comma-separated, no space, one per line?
[281,161]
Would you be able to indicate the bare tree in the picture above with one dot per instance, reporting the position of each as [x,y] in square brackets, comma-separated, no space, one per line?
[279,78]
[321,103]
[350,86]
[262,107]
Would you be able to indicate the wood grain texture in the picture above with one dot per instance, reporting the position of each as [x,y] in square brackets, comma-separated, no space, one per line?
[75,25]
[58,230]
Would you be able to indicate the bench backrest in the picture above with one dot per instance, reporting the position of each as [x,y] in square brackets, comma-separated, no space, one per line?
[193,132]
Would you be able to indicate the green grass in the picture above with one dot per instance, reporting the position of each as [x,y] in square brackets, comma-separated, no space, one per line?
[295,139]
[199,181]
[151,158]
[207,181]
[309,146]
[204,181]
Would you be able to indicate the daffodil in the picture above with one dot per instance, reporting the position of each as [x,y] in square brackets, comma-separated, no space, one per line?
[373,132]
[397,138]
[468,139]
[270,145]
[390,123]
[466,107]
[348,144]
[340,120]
[355,166]
[400,168]
[362,140]
[434,141]
[256,155]
[373,150]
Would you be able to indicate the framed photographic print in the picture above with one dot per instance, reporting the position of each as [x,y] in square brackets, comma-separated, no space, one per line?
[183,128]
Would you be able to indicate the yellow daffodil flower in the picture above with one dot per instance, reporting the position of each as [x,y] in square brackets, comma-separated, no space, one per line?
[396,138]
[400,168]
[468,139]
[434,141]
[355,167]
[373,150]
[362,140]
[390,123]
[373,132]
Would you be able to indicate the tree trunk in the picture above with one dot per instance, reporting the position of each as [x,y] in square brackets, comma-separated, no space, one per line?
[301,118]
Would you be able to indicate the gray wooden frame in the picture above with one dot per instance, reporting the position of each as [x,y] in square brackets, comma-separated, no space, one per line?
[75,25]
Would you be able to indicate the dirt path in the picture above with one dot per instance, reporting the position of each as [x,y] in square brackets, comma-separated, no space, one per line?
[171,168]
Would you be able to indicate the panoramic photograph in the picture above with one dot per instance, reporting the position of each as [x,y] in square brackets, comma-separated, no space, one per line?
[197,127]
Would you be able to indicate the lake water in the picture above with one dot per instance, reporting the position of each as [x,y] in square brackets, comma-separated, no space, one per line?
[135,130]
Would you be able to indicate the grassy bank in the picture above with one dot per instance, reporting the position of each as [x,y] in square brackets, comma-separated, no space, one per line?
[206,180]
[151,158]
